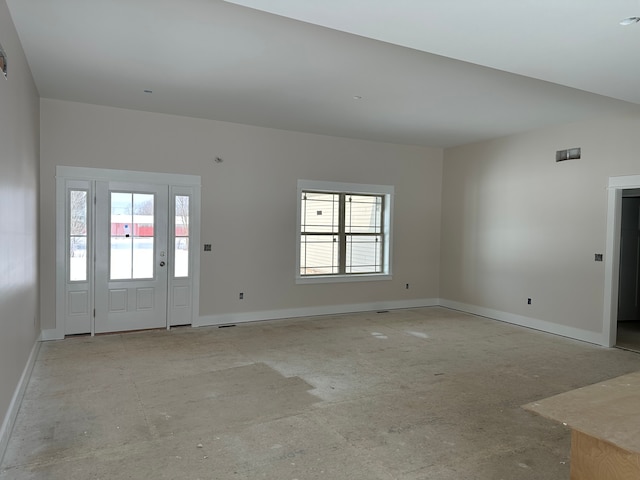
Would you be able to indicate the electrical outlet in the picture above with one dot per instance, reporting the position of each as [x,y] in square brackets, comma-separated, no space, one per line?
[241,296]
[207,247]
[598,257]
[528,301]
[407,286]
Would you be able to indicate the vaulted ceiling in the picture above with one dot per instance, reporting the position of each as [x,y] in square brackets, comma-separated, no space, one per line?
[425,72]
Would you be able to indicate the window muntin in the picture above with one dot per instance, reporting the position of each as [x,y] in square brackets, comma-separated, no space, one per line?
[343,233]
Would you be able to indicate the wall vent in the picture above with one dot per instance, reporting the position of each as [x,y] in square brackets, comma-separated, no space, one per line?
[569,154]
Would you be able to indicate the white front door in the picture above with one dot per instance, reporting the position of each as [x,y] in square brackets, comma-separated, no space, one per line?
[131,256]
[126,250]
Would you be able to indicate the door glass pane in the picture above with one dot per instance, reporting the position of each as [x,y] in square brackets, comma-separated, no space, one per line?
[78,235]
[132,242]
[121,257]
[182,257]
[181,236]
[143,257]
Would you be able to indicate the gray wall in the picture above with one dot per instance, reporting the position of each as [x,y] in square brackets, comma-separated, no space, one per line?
[518,225]
[19,155]
[249,200]
[513,223]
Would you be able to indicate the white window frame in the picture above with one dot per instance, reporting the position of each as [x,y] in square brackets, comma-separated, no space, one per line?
[354,188]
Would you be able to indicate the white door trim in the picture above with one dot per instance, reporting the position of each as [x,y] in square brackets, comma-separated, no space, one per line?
[108,175]
[612,255]
[65,174]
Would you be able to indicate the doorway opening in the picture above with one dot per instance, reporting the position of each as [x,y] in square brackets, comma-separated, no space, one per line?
[628,318]
[621,318]
[126,250]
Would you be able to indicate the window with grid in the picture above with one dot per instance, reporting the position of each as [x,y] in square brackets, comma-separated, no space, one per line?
[343,231]
[78,234]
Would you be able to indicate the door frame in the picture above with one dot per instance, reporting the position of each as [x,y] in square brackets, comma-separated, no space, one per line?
[65,174]
[612,255]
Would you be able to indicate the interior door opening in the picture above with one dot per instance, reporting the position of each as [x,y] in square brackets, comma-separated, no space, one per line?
[628,317]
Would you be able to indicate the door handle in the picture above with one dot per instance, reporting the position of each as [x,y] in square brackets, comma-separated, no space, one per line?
[162,264]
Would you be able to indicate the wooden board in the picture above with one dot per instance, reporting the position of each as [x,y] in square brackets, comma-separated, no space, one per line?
[596,459]
[608,410]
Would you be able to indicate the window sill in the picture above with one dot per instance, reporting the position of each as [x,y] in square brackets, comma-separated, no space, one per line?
[373,277]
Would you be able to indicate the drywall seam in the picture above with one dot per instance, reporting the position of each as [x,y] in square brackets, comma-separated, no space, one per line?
[529,322]
[16,400]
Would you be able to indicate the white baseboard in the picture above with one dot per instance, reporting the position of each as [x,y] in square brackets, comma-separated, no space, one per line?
[528,322]
[232,318]
[14,406]
[534,323]
[521,320]
[52,334]
[242,317]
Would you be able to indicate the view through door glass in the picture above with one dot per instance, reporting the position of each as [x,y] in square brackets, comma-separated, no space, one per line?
[132,236]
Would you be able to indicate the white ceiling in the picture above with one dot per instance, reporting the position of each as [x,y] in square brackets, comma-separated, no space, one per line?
[430,72]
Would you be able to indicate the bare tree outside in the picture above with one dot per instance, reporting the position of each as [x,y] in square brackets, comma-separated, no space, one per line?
[182,212]
[182,221]
[77,221]
[144,207]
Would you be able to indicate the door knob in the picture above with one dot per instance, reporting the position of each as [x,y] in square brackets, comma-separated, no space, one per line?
[162,264]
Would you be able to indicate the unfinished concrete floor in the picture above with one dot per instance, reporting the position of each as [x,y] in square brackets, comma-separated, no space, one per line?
[409,394]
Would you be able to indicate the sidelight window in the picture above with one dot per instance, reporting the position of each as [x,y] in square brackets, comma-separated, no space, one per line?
[77,229]
[181,236]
